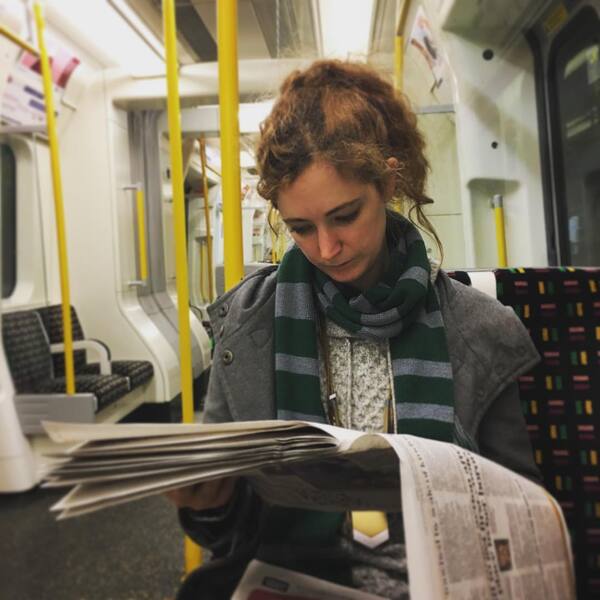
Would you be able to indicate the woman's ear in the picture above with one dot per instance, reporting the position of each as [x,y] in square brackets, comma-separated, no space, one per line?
[390,182]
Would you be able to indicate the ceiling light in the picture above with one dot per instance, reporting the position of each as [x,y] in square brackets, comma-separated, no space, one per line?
[345,26]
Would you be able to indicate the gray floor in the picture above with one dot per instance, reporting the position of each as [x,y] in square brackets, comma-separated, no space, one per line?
[130,552]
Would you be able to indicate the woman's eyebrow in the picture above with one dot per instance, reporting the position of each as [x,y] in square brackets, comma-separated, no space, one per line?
[349,204]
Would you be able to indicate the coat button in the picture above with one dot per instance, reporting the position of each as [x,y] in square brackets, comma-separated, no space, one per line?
[223,309]
[227,357]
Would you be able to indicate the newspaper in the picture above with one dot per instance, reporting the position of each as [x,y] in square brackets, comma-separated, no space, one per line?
[268,582]
[491,533]
[473,529]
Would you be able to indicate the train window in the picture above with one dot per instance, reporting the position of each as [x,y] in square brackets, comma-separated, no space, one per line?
[576,74]
[8,219]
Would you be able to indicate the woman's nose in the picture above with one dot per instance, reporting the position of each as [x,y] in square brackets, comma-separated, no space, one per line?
[329,244]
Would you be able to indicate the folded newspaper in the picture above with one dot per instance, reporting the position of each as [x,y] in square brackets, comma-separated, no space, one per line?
[473,529]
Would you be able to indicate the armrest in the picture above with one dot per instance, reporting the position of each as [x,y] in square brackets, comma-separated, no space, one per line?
[32,409]
[99,348]
[102,344]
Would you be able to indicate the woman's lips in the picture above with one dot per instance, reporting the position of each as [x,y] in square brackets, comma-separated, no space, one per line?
[340,266]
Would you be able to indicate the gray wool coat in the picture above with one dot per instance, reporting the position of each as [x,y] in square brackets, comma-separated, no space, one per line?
[488,345]
[489,348]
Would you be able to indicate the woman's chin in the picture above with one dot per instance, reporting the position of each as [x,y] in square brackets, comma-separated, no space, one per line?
[349,276]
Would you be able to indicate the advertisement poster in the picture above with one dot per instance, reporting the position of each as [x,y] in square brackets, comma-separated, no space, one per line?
[23,98]
[421,37]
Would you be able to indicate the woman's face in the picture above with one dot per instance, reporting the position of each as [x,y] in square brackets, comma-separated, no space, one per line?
[338,223]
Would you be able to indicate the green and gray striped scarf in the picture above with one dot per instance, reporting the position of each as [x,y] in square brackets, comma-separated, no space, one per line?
[403,308]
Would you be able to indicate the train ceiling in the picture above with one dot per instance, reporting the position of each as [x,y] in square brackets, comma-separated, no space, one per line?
[272,28]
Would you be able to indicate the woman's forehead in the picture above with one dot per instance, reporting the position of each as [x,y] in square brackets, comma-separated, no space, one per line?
[319,189]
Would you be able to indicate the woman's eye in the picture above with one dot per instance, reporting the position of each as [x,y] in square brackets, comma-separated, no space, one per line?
[347,218]
[300,229]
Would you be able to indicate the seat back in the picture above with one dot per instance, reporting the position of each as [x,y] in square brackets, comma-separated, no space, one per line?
[561,396]
[27,350]
[53,324]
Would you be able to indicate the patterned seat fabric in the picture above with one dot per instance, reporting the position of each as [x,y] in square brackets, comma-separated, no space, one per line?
[27,350]
[561,397]
[106,388]
[30,362]
[137,372]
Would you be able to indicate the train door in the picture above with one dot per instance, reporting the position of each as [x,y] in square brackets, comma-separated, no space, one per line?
[568,57]
[150,166]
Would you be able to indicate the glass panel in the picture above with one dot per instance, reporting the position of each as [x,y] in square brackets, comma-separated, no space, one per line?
[8,219]
[577,79]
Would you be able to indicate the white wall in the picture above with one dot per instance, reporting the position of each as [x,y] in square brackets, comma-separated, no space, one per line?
[494,101]
[101,236]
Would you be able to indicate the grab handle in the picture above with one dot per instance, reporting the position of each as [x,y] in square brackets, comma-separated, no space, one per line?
[141,231]
[498,206]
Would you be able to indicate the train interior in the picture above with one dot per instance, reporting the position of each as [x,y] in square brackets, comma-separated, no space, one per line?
[507,96]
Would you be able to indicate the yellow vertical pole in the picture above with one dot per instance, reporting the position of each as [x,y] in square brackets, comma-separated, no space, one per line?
[399,46]
[398,61]
[230,141]
[211,296]
[497,204]
[193,554]
[58,201]
[270,221]
[178,211]
[141,218]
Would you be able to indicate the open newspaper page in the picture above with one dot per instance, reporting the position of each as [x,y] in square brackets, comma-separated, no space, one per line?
[475,530]
[362,475]
[268,582]
[290,463]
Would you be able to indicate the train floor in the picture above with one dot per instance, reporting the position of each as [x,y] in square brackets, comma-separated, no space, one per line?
[129,552]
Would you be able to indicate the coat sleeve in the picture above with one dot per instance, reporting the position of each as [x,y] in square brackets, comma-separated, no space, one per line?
[228,530]
[234,527]
[503,435]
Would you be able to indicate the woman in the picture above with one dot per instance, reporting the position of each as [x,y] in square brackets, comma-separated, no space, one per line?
[355,327]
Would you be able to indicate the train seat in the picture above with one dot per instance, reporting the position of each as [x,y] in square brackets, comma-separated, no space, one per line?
[39,393]
[137,372]
[560,306]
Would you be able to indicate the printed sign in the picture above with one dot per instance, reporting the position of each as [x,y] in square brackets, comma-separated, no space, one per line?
[23,99]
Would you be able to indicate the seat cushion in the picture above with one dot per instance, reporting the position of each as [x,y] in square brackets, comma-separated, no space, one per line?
[137,371]
[106,388]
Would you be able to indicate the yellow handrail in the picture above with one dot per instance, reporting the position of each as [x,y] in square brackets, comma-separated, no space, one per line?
[58,202]
[399,47]
[230,141]
[141,219]
[498,205]
[271,224]
[13,37]
[211,296]
[174,115]
[141,227]
[203,293]
[193,553]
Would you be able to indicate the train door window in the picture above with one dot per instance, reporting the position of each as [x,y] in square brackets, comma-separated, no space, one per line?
[576,89]
[8,219]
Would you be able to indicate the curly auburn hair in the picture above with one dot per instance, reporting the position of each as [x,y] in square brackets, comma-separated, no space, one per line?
[347,115]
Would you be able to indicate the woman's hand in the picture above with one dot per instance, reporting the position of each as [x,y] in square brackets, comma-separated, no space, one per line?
[204,496]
